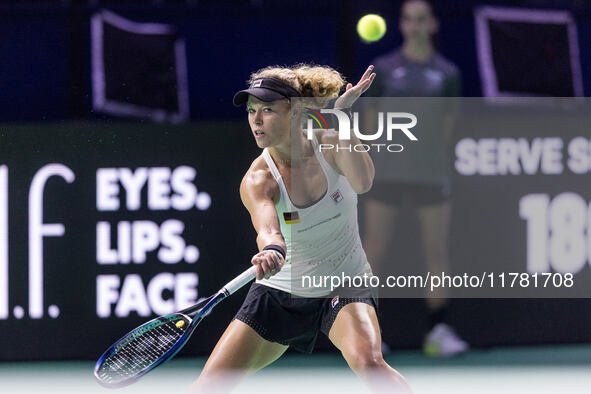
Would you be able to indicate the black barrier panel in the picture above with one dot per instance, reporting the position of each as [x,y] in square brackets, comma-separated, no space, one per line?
[108,225]
[152,219]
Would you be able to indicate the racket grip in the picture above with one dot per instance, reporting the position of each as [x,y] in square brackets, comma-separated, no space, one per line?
[239,281]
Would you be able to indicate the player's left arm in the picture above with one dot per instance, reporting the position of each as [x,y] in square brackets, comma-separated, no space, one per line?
[356,166]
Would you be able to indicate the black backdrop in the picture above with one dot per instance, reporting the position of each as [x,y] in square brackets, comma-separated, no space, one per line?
[220,153]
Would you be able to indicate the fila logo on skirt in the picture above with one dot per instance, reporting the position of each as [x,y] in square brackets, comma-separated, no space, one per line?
[334,302]
[291,217]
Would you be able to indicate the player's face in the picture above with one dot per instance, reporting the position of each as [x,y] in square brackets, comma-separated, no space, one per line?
[269,121]
[417,22]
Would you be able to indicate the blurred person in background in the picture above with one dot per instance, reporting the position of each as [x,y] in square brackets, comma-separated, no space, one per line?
[416,69]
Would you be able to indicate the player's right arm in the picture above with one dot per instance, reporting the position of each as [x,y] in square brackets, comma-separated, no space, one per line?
[258,190]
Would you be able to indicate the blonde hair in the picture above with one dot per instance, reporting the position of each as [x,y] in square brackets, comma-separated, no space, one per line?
[316,84]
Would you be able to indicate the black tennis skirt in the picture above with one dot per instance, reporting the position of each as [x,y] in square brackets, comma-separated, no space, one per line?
[280,317]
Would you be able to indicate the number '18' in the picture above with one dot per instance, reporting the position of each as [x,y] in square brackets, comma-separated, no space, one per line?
[558,232]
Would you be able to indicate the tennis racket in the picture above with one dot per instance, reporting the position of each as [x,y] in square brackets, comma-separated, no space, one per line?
[157,341]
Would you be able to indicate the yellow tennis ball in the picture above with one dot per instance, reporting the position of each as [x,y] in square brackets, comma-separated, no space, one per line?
[371,27]
[180,323]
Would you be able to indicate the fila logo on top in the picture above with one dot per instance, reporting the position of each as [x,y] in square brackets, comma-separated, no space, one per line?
[337,197]
[256,83]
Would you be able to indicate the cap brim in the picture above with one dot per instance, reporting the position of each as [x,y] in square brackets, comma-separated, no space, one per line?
[262,94]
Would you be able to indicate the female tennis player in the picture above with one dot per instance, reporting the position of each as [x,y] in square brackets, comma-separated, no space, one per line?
[303,204]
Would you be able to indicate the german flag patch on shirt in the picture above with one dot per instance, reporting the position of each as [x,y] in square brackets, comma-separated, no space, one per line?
[291,217]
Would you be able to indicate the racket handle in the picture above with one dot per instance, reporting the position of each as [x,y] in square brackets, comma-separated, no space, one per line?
[239,281]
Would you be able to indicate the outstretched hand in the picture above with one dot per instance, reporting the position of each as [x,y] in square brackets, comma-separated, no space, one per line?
[352,93]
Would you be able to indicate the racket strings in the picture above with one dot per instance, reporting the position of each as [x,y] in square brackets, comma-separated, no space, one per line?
[140,353]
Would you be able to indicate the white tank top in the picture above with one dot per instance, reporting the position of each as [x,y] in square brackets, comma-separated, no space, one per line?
[322,239]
